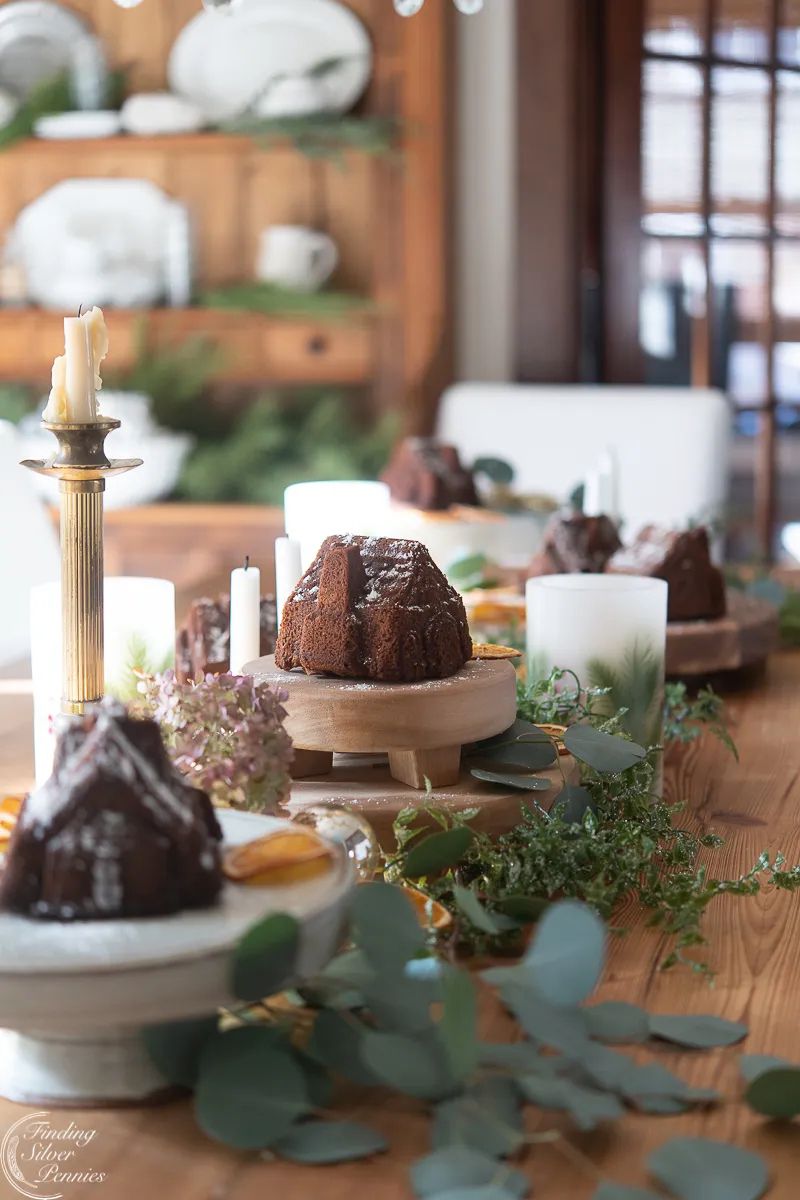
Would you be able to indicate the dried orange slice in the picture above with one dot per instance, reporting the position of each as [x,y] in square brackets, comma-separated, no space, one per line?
[430,913]
[9,811]
[556,732]
[289,856]
[490,650]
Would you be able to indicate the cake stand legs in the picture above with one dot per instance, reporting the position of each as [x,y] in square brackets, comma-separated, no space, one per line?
[64,1072]
[441,767]
[308,763]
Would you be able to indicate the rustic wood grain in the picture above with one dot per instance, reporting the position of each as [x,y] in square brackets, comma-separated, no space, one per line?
[753,947]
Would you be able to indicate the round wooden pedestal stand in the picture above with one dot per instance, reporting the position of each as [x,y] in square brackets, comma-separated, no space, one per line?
[742,638]
[388,738]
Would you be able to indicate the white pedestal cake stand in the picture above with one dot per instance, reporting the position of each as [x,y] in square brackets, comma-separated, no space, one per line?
[74,998]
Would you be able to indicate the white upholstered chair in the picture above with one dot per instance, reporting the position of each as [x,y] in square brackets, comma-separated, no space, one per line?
[671,444]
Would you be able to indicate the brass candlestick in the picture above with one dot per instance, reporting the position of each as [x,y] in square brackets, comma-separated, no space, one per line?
[82,468]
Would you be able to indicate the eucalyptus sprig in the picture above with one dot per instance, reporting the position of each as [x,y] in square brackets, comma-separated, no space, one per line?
[389,1013]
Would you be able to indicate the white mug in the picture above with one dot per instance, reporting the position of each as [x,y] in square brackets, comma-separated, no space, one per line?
[295,257]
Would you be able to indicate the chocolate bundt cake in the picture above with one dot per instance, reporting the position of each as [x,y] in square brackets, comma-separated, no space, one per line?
[429,475]
[683,559]
[115,832]
[204,642]
[576,544]
[374,608]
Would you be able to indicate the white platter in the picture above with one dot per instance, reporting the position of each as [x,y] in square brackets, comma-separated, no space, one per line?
[119,227]
[66,126]
[226,62]
[40,39]
[74,997]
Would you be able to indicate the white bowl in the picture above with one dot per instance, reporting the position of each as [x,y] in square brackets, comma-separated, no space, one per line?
[70,125]
[151,114]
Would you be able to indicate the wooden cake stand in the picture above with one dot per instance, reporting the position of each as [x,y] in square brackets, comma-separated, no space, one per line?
[420,726]
[742,638]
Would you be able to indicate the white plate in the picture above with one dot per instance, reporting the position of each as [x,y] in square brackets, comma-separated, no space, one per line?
[125,220]
[38,40]
[54,948]
[69,125]
[226,62]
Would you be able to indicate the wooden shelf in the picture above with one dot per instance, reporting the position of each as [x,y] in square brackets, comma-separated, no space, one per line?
[208,142]
[257,348]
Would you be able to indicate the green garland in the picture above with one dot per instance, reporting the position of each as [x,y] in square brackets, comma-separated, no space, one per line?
[610,838]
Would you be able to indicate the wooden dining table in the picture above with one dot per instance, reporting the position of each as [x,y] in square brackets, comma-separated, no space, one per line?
[753,948]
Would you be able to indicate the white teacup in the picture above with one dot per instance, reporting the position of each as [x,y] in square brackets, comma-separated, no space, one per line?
[294,257]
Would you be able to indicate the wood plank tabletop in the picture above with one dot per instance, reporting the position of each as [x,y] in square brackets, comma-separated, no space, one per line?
[753,948]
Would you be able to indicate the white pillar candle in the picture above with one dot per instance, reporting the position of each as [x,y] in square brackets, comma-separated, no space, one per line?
[288,570]
[314,511]
[139,636]
[609,630]
[245,616]
[76,374]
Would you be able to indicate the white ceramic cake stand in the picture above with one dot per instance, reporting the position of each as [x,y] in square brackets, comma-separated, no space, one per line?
[74,998]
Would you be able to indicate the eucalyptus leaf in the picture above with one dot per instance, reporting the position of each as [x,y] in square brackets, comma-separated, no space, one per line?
[512,779]
[603,751]
[617,1021]
[701,1169]
[562,1029]
[474,911]
[437,852]
[619,1191]
[776,1092]
[337,1043]
[467,567]
[462,1167]
[385,926]
[522,908]
[536,755]
[567,953]
[490,1191]
[250,1091]
[324,1142]
[753,1065]
[416,1066]
[495,469]
[520,731]
[697,1032]
[319,1083]
[402,1003]
[265,957]
[486,1116]
[586,1106]
[518,1057]
[572,802]
[459,1024]
[175,1048]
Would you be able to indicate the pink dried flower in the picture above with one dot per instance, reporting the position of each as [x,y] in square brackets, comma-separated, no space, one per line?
[226,733]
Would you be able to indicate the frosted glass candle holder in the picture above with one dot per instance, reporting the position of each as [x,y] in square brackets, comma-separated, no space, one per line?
[139,636]
[611,630]
[314,511]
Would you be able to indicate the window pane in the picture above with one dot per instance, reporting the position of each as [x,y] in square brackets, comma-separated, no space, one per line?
[672,309]
[675,26]
[789,33]
[787,152]
[739,280]
[743,29]
[787,313]
[672,148]
[739,150]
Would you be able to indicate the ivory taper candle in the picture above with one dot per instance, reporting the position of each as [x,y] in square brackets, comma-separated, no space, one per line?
[76,373]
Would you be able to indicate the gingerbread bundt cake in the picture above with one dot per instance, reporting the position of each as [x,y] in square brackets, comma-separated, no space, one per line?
[115,832]
[576,544]
[429,474]
[683,559]
[374,608]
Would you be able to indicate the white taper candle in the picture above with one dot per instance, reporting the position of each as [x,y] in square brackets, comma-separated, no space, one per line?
[245,616]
